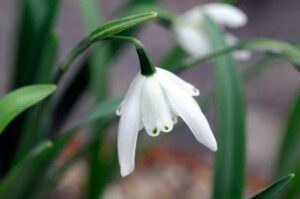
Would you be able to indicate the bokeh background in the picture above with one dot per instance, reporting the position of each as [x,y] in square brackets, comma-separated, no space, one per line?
[178,166]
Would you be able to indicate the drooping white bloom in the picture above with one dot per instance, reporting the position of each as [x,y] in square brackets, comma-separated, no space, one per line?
[192,36]
[154,102]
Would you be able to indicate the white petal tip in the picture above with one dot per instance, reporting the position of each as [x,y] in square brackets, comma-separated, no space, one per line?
[214,147]
[118,111]
[126,171]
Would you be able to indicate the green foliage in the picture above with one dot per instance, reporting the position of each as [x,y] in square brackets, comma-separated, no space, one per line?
[229,173]
[35,33]
[273,190]
[21,99]
[282,49]
[18,182]
[288,155]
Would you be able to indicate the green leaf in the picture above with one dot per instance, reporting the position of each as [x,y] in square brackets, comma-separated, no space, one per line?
[37,19]
[21,99]
[229,172]
[48,60]
[104,109]
[111,28]
[289,150]
[274,189]
[282,49]
[288,157]
[164,15]
[16,184]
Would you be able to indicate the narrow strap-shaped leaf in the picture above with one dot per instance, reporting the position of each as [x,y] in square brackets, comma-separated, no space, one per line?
[283,49]
[229,172]
[16,184]
[37,19]
[289,151]
[274,189]
[21,99]
[165,16]
[48,59]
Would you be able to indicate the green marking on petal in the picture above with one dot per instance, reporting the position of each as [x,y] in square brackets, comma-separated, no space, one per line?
[154,131]
[166,127]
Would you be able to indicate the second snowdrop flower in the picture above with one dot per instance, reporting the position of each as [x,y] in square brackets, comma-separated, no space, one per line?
[154,100]
[192,36]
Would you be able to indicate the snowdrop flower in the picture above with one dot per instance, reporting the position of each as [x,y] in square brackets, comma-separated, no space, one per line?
[190,31]
[153,101]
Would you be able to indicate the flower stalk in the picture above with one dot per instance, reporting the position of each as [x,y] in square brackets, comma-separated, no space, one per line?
[147,67]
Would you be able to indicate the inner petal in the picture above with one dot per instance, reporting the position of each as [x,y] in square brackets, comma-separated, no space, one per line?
[156,115]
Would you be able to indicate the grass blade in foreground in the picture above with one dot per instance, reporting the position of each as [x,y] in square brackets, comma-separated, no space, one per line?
[274,189]
[230,115]
[289,150]
[288,159]
[21,99]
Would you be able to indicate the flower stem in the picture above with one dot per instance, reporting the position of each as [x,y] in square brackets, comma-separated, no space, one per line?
[147,67]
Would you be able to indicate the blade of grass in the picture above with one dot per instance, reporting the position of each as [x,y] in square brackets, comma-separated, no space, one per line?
[229,172]
[273,190]
[289,151]
[288,157]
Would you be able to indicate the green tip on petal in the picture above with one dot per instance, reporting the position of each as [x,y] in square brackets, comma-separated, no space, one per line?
[154,131]
[166,127]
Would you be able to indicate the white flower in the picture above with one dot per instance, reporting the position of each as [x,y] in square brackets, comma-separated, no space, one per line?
[154,102]
[192,36]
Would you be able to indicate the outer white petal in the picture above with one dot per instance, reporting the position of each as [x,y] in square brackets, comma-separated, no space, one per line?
[191,38]
[225,14]
[189,110]
[134,87]
[128,129]
[156,115]
[240,54]
[187,87]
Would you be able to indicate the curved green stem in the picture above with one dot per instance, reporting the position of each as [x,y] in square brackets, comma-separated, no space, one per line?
[111,28]
[147,67]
